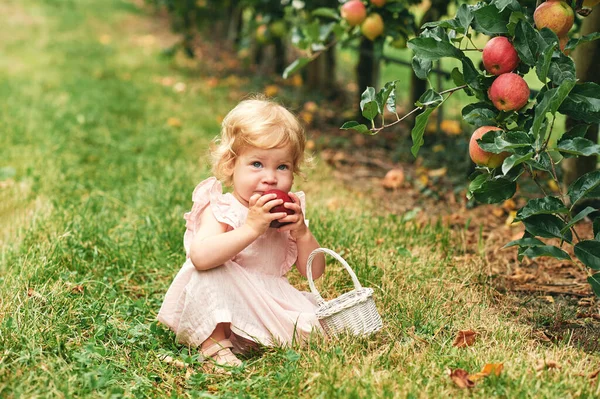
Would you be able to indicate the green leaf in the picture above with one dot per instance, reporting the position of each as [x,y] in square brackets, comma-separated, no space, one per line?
[547,226]
[419,129]
[495,191]
[503,4]
[576,131]
[546,250]
[596,227]
[578,146]
[498,141]
[595,283]
[370,110]
[583,103]
[464,15]
[428,48]
[430,98]
[525,242]
[457,77]
[480,114]
[579,217]
[326,13]
[383,96]
[561,68]
[583,186]
[356,126]
[490,21]
[422,67]
[296,66]
[543,63]
[527,42]
[551,101]
[515,160]
[368,103]
[476,184]
[583,39]
[471,75]
[588,252]
[541,206]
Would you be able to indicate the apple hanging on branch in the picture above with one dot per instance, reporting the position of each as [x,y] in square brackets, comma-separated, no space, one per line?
[512,130]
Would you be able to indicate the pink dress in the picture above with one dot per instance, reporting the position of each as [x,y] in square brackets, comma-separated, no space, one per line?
[250,291]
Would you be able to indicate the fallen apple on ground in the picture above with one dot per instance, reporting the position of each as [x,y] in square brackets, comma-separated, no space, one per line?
[280,208]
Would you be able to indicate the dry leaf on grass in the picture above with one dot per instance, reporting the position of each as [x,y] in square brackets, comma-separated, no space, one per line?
[488,369]
[464,338]
[461,378]
[544,364]
[465,380]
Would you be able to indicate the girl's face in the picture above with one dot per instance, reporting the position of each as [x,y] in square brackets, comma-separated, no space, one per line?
[258,170]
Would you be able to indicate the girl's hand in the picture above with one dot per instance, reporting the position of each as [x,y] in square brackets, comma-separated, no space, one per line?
[259,216]
[296,226]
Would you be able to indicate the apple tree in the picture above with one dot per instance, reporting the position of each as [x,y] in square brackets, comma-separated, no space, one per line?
[513,136]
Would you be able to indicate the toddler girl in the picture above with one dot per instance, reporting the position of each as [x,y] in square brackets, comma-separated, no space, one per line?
[232,291]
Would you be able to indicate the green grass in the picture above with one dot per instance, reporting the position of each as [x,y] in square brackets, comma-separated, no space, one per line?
[91,233]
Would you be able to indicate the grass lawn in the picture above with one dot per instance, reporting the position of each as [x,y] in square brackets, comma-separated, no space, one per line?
[101,143]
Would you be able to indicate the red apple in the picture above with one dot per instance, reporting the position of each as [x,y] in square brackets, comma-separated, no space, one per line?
[372,27]
[378,3]
[354,12]
[509,92]
[499,56]
[481,157]
[280,208]
[555,15]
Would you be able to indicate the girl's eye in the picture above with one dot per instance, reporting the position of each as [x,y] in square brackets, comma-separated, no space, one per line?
[282,167]
[257,164]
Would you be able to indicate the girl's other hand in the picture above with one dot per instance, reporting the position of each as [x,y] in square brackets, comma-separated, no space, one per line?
[259,208]
[296,226]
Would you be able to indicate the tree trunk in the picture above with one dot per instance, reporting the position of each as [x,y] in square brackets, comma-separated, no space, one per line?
[587,59]
[280,61]
[320,74]
[367,69]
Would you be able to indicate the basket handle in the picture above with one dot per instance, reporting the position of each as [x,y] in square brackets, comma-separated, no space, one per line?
[312,255]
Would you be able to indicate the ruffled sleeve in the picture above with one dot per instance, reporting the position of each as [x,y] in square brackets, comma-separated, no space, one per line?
[208,192]
[292,248]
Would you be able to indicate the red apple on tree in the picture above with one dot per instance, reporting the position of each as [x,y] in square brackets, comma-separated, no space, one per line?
[280,208]
[555,15]
[372,27]
[499,56]
[481,157]
[509,92]
[354,12]
[378,3]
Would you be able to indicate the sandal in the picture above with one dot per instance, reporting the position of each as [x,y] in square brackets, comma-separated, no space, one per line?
[221,355]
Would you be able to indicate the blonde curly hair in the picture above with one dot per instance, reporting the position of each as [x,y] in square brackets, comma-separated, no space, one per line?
[260,123]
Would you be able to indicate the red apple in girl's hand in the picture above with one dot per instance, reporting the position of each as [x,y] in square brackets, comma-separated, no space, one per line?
[280,208]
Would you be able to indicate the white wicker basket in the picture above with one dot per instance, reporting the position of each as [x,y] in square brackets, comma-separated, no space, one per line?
[354,312]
